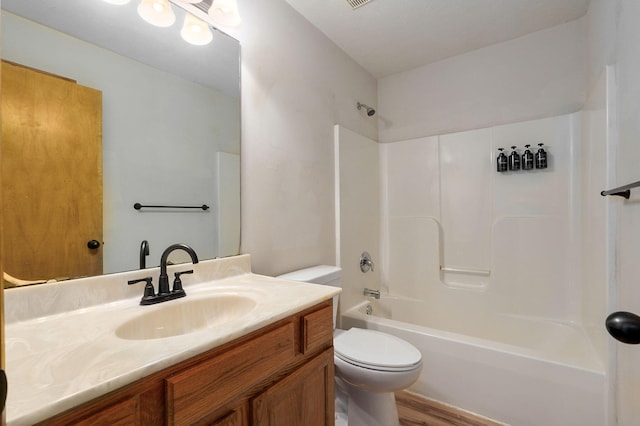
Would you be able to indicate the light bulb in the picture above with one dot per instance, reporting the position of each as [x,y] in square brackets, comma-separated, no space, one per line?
[195,31]
[225,13]
[157,12]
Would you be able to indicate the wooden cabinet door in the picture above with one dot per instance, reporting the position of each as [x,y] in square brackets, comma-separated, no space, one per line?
[196,393]
[51,175]
[306,397]
[238,417]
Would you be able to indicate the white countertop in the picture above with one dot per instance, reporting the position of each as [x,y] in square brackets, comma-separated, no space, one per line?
[61,352]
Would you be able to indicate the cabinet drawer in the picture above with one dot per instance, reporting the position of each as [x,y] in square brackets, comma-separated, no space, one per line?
[200,390]
[317,330]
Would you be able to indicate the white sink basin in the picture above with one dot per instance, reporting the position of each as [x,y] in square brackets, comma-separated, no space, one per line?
[178,317]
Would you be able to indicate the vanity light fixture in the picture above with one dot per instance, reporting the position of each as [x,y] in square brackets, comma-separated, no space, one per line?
[157,12]
[225,13]
[196,31]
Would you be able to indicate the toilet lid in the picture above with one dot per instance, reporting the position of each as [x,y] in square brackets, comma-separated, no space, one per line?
[376,350]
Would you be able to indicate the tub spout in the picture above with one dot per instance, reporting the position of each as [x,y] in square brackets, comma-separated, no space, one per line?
[371,293]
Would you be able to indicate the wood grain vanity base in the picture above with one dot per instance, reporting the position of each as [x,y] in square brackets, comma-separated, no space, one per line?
[415,410]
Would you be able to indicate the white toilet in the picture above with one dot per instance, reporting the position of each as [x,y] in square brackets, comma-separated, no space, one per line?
[370,365]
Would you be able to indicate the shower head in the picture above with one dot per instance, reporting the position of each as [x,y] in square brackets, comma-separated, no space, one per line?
[370,111]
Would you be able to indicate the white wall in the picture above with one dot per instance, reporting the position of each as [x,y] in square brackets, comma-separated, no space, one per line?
[296,85]
[595,251]
[358,212]
[538,75]
[153,153]
[614,37]
[601,38]
[627,64]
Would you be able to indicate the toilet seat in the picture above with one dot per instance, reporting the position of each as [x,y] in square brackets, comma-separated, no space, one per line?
[375,350]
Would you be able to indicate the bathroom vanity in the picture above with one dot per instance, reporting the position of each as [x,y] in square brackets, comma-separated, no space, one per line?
[281,374]
[266,364]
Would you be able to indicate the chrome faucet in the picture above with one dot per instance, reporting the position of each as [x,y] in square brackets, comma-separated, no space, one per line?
[163,281]
[371,293]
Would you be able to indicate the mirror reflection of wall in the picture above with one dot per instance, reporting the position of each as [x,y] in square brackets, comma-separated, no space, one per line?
[166,141]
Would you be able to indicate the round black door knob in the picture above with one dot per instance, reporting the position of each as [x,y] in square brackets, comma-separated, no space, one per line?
[624,326]
[93,244]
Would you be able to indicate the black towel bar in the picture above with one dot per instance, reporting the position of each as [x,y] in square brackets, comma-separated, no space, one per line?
[139,206]
[622,191]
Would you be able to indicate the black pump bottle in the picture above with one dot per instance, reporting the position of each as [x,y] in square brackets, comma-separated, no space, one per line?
[501,161]
[541,158]
[527,159]
[514,159]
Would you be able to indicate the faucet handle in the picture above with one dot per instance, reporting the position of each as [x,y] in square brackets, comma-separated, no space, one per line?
[366,263]
[149,291]
[177,282]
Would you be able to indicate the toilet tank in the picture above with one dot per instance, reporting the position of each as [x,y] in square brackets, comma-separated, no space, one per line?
[321,274]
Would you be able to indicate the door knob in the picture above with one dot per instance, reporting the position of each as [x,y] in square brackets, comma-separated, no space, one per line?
[624,326]
[93,244]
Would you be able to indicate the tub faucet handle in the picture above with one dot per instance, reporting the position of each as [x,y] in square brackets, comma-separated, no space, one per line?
[366,263]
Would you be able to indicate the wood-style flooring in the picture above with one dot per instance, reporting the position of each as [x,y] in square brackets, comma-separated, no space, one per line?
[415,410]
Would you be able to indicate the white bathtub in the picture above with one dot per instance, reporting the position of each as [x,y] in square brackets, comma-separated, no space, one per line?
[518,370]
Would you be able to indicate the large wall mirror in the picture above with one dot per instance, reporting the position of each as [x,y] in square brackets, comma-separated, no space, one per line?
[100,111]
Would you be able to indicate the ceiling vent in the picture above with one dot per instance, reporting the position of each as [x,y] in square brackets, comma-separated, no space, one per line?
[357,3]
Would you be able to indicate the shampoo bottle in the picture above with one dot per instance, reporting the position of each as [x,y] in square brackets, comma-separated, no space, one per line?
[541,158]
[527,159]
[514,159]
[501,161]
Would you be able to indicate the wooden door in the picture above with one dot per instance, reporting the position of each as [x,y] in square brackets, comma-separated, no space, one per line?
[306,397]
[51,175]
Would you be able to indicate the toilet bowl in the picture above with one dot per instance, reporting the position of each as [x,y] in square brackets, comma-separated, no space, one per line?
[376,361]
[370,365]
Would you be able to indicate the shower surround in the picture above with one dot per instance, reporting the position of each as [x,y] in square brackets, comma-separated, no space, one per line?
[467,243]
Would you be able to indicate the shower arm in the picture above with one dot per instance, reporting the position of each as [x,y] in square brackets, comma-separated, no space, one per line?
[622,191]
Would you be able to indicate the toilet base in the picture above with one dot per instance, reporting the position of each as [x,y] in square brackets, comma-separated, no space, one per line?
[342,400]
[371,408]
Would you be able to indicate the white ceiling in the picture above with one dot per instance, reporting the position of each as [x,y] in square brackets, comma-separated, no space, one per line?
[390,36]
